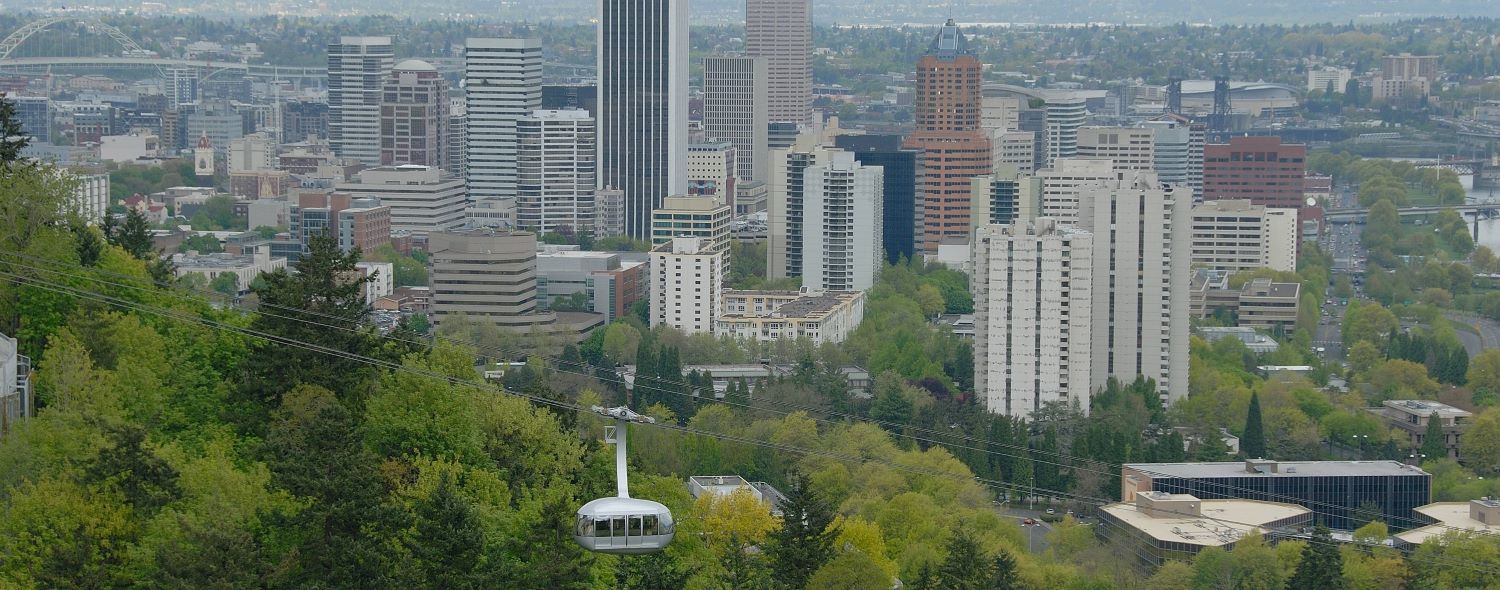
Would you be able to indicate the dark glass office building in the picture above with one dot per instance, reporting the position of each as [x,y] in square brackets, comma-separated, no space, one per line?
[571,96]
[1333,490]
[903,181]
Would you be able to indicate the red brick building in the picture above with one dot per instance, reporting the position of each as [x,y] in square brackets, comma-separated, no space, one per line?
[1261,169]
[949,92]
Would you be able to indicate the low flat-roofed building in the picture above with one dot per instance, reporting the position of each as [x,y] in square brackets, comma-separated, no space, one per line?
[1255,341]
[1476,516]
[1334,488]
[1412,415]
[724,485]
[820,316]
[1181,525]
[16,402]
[1269,305]
[244,267]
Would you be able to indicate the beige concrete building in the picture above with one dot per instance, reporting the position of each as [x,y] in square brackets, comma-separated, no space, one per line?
[734,110]
[1130,148]
[1411,416]
[488,275]
[1236,234]
[1267,305]
[1475,516]
[1178,526]
[687,284]
[780,31]
[1065,180]
[819,316]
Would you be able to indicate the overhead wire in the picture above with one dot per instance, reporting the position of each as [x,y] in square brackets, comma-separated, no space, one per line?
[993,484]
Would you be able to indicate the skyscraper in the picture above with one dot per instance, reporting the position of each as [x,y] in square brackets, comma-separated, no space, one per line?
[841,244]
[502,83]
[1033,302]
[357,67]
[900,186]
[555,170]
[734,110]
[1261,169]
[414,116]
[949,93]
[1142,260]
[643,69]
[781,32]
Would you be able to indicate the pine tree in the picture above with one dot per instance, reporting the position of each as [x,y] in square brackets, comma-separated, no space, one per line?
[805,540]
[146,481]
[891,405]
[1322,565]
[644,392]
[12,138]
[1435,441]
[926,578]
[1253,441]
[653,571]
[448,543]
[134,236]
[1005,577]
[966,568]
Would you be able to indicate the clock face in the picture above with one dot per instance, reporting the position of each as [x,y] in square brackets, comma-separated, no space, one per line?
[1311,202]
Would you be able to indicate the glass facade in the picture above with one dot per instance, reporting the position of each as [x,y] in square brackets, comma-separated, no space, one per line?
[1333,498]
[902,172]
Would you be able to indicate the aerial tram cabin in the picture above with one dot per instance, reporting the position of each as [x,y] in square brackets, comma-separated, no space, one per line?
[622,524]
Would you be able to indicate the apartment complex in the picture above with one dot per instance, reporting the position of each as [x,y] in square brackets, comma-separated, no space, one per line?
[842,211]
[1234,235]
[1033,304]
[819,316]
[1130,148]
[687,285]
[698,216]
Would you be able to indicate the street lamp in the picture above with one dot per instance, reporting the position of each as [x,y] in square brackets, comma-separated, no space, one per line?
[1416,458]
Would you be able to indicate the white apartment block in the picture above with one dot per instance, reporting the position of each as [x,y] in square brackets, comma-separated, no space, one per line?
[1235,234]
[422,198]
[555,170]
[502,84]
[702,217]
[687,285]
[767,316]
[1142,265]
[357,66]
[711,170]
[1003,198]
[90,197]
[1065,181]
[382,279]
[1322,78]
[253,152]
[1130,148]
[1014,149]
[734,110]
[842,223]
[1033,304]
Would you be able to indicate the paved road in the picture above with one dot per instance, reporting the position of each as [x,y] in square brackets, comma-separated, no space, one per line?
[1036,535]
[1488,331]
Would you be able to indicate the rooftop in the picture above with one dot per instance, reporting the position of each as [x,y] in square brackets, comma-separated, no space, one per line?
[1278,469]
[1222,522]
[1449,516]
[1422,407]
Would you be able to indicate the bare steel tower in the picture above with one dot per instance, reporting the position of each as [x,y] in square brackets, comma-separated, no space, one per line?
[643,68]
[781,32]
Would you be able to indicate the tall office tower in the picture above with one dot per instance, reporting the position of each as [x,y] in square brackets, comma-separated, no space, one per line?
[458,138]
[1261,169]
[502,83]
[1066,112]
[555,170]
[949,91]
[301,119]
[1005,197]
[1142,261]
[734,110]
[687,284]
[781,32]
[785,218]
[1035,121]
[488,275]
[901,216]
[1033,316]
[1064,183]
[842,238]
[1179,151]
[35,115]
[643,88]
[357,66]
[181,86]
[711,171]
[1130,148]
[414,116]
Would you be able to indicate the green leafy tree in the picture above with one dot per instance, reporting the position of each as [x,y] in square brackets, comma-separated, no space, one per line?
[851,570]
[226,283]
[201,243]
[653,571]
[1480,445]
[891,404]
[1253,440]
[1322,566]
[805,540]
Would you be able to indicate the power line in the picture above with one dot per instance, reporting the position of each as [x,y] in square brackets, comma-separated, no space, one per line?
[993,484]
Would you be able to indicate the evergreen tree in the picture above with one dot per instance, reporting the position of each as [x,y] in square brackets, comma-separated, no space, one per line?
[966,567]
[89,244]
[926,578]
[652,571]
[549,556]
[805,540]
[134,236]
[1253,441]
[146,481]
[448,543]
[1434,441]
[1322,565]
[320,305]
[1005,577]
[744,570]
[891,405]
[12,138]
[644,393]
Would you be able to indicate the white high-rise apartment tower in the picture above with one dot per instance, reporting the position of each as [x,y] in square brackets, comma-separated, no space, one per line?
[502,83]
[781,32]
[1033,302]
[643,88]
[687,285]
[357,67]
[1065,181]
[1142,262]
[842,223]
[555,165]
[734,110]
